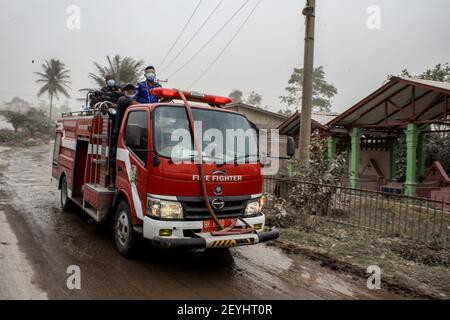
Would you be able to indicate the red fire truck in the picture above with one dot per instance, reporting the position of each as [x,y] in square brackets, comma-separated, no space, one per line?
[192,204]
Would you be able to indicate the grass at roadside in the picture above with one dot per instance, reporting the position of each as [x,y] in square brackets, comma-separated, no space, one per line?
[422,268]
[19,139]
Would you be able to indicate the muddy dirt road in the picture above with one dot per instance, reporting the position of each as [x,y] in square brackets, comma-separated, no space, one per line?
[38,242]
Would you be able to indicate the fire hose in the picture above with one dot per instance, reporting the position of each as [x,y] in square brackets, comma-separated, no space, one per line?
[230,230]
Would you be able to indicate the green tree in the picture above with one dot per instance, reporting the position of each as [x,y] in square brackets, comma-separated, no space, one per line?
[236,96]
[18,104]
[323,91]
[15,118]
[440,72]
[55,78]
[254,99]
[122,69]
[36,122]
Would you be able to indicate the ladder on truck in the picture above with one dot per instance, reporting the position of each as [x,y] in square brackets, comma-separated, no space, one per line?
[97,198]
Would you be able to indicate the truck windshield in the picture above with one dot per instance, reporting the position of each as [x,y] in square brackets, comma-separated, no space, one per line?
[225,137]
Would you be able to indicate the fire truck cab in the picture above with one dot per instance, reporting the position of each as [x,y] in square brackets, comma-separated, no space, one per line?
[153,196]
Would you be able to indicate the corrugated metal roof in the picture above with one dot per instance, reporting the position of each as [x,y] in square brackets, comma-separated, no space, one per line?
[392,104]
[292,124]
[323,117]
[244,105]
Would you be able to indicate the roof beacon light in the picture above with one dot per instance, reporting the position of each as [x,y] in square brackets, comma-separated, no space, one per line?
[191,96]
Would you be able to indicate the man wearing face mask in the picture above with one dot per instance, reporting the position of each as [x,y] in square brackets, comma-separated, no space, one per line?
[143,95]
[110,92]
[110,84]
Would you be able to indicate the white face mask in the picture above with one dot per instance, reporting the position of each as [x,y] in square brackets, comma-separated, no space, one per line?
[111,82]
[150,76]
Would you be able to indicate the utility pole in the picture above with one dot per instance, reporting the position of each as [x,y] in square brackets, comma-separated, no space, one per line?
[308,67]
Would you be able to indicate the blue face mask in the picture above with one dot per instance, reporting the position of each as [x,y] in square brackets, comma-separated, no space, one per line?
[150,76]
[111,83]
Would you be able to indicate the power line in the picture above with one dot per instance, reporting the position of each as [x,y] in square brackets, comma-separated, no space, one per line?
[227,45]
[209,40]
[181,33]
[193,36]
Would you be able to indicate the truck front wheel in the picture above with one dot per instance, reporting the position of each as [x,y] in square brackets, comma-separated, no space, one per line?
[125,236]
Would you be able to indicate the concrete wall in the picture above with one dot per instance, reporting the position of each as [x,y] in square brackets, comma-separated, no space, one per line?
[382,159]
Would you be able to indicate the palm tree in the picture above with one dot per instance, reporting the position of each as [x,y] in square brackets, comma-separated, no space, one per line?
[123,70]
[55,78]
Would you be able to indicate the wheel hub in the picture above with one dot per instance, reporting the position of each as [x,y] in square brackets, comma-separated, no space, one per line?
[122,228]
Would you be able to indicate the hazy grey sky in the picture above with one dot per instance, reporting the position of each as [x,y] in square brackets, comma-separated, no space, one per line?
[414,34]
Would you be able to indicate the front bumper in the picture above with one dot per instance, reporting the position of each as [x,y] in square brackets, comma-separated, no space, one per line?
[205,240]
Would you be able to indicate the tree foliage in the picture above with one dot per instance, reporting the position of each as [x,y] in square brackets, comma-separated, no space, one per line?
[254,99]
[236,95]
[440,72]
[323,91]
[309,191]
[122,69]
[31,122]
[55,79]
[17,104]
[15,118]
[37,123]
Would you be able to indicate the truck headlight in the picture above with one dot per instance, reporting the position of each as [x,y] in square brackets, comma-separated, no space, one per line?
[255,207]
[252,208]
[164,209]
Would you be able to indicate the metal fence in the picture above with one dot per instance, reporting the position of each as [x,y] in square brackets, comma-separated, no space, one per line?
[389,214]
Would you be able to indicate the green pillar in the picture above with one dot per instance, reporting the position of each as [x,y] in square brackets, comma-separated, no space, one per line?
[356,144]
[393,153]
[290,168]
[421,154]
[332,142]
[412,135]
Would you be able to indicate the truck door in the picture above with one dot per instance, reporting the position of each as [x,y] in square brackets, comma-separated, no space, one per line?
[133,159]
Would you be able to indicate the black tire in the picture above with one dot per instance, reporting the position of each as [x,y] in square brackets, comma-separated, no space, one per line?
[126,238]
[66,203]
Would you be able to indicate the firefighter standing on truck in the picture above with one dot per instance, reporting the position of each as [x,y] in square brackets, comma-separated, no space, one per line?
[143,94]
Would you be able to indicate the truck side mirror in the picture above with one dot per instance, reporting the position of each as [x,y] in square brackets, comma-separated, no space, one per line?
[133,136]
[290,147]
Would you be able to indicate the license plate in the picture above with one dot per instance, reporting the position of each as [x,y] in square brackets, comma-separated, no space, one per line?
[210,225]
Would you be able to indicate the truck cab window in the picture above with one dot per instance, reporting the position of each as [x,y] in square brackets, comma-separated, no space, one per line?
[136,134]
